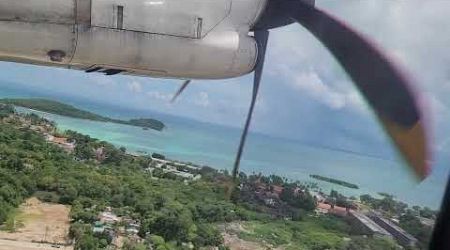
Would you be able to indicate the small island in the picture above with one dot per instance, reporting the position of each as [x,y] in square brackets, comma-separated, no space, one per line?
[63,109]
[144,123]
[334,181]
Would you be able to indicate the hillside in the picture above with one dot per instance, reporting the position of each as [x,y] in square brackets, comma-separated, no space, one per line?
[110,196]
[63,109]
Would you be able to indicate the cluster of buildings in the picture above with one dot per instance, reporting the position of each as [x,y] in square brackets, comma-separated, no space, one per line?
[117,228]
[182,170]
[42,126]
[325,208]
[369,223]
[367,226]
[397,233]
[62,142]
[268,197]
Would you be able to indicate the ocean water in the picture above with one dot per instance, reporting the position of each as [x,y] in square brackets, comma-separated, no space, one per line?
[216,146]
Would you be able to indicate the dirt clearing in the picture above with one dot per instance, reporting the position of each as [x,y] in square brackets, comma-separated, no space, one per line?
[22,245]
[230,234]
[38,222]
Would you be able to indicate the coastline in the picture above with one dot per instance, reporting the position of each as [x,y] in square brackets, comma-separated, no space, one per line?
[169,145]
[63,109]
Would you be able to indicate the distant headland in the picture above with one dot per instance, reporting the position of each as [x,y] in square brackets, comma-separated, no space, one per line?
[63,109]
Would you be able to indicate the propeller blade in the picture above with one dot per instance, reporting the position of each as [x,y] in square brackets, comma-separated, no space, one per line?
[261,37]
[180,90]
[379,80]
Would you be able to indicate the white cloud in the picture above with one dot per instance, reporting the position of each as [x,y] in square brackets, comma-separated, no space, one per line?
[436,115]
[102,80]
[300,60]
[313,85]
[202,99]
[135,87]
[442,146]
[355,100]
[334,97]
[159,95]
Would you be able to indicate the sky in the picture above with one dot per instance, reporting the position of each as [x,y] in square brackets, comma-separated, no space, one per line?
[305,95]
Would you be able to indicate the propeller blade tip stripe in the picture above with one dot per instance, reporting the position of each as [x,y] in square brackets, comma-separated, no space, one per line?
[383,84]
[412,144]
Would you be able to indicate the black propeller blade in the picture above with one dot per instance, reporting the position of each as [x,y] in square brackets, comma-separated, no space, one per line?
[180,90]
[261,37]
[378,79]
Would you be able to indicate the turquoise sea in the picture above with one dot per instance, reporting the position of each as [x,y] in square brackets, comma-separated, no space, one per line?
[213,145]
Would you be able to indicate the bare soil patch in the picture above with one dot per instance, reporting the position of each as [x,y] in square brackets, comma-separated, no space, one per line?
[22,245]
[235,243]
[39,222]
[230,234]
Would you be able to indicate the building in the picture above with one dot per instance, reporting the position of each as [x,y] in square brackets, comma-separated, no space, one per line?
[131,231]
[108,217]
[402,237]
[182,174]
[427,222]
[100,154]
[324,208]
[339,211]
[367,226]
[169,168]
[99,227]
[270,202]
[172,164]
[277,190]
[318,196]
[131,226]
[62,142]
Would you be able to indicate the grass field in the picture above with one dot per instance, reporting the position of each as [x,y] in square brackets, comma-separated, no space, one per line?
[311,233]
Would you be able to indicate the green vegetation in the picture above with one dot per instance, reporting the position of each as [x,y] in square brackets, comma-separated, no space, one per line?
[172,214]
[6,110]
[334,181]
[359,242]
[408,218]
[59,108]
[327,232]
[387,204]
[275,195]
[30,166]
[411,224]
[335,198]
[143,122]
[54,108]
[302,200]
[158,156]
[308,234]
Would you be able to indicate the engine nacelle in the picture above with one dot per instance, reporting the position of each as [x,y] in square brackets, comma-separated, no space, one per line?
[168,38]
[219,55]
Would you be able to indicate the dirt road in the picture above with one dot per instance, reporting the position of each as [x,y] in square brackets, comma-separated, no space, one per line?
[23,245]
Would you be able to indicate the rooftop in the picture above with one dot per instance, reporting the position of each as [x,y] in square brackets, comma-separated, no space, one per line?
[374,227]
[397,228]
